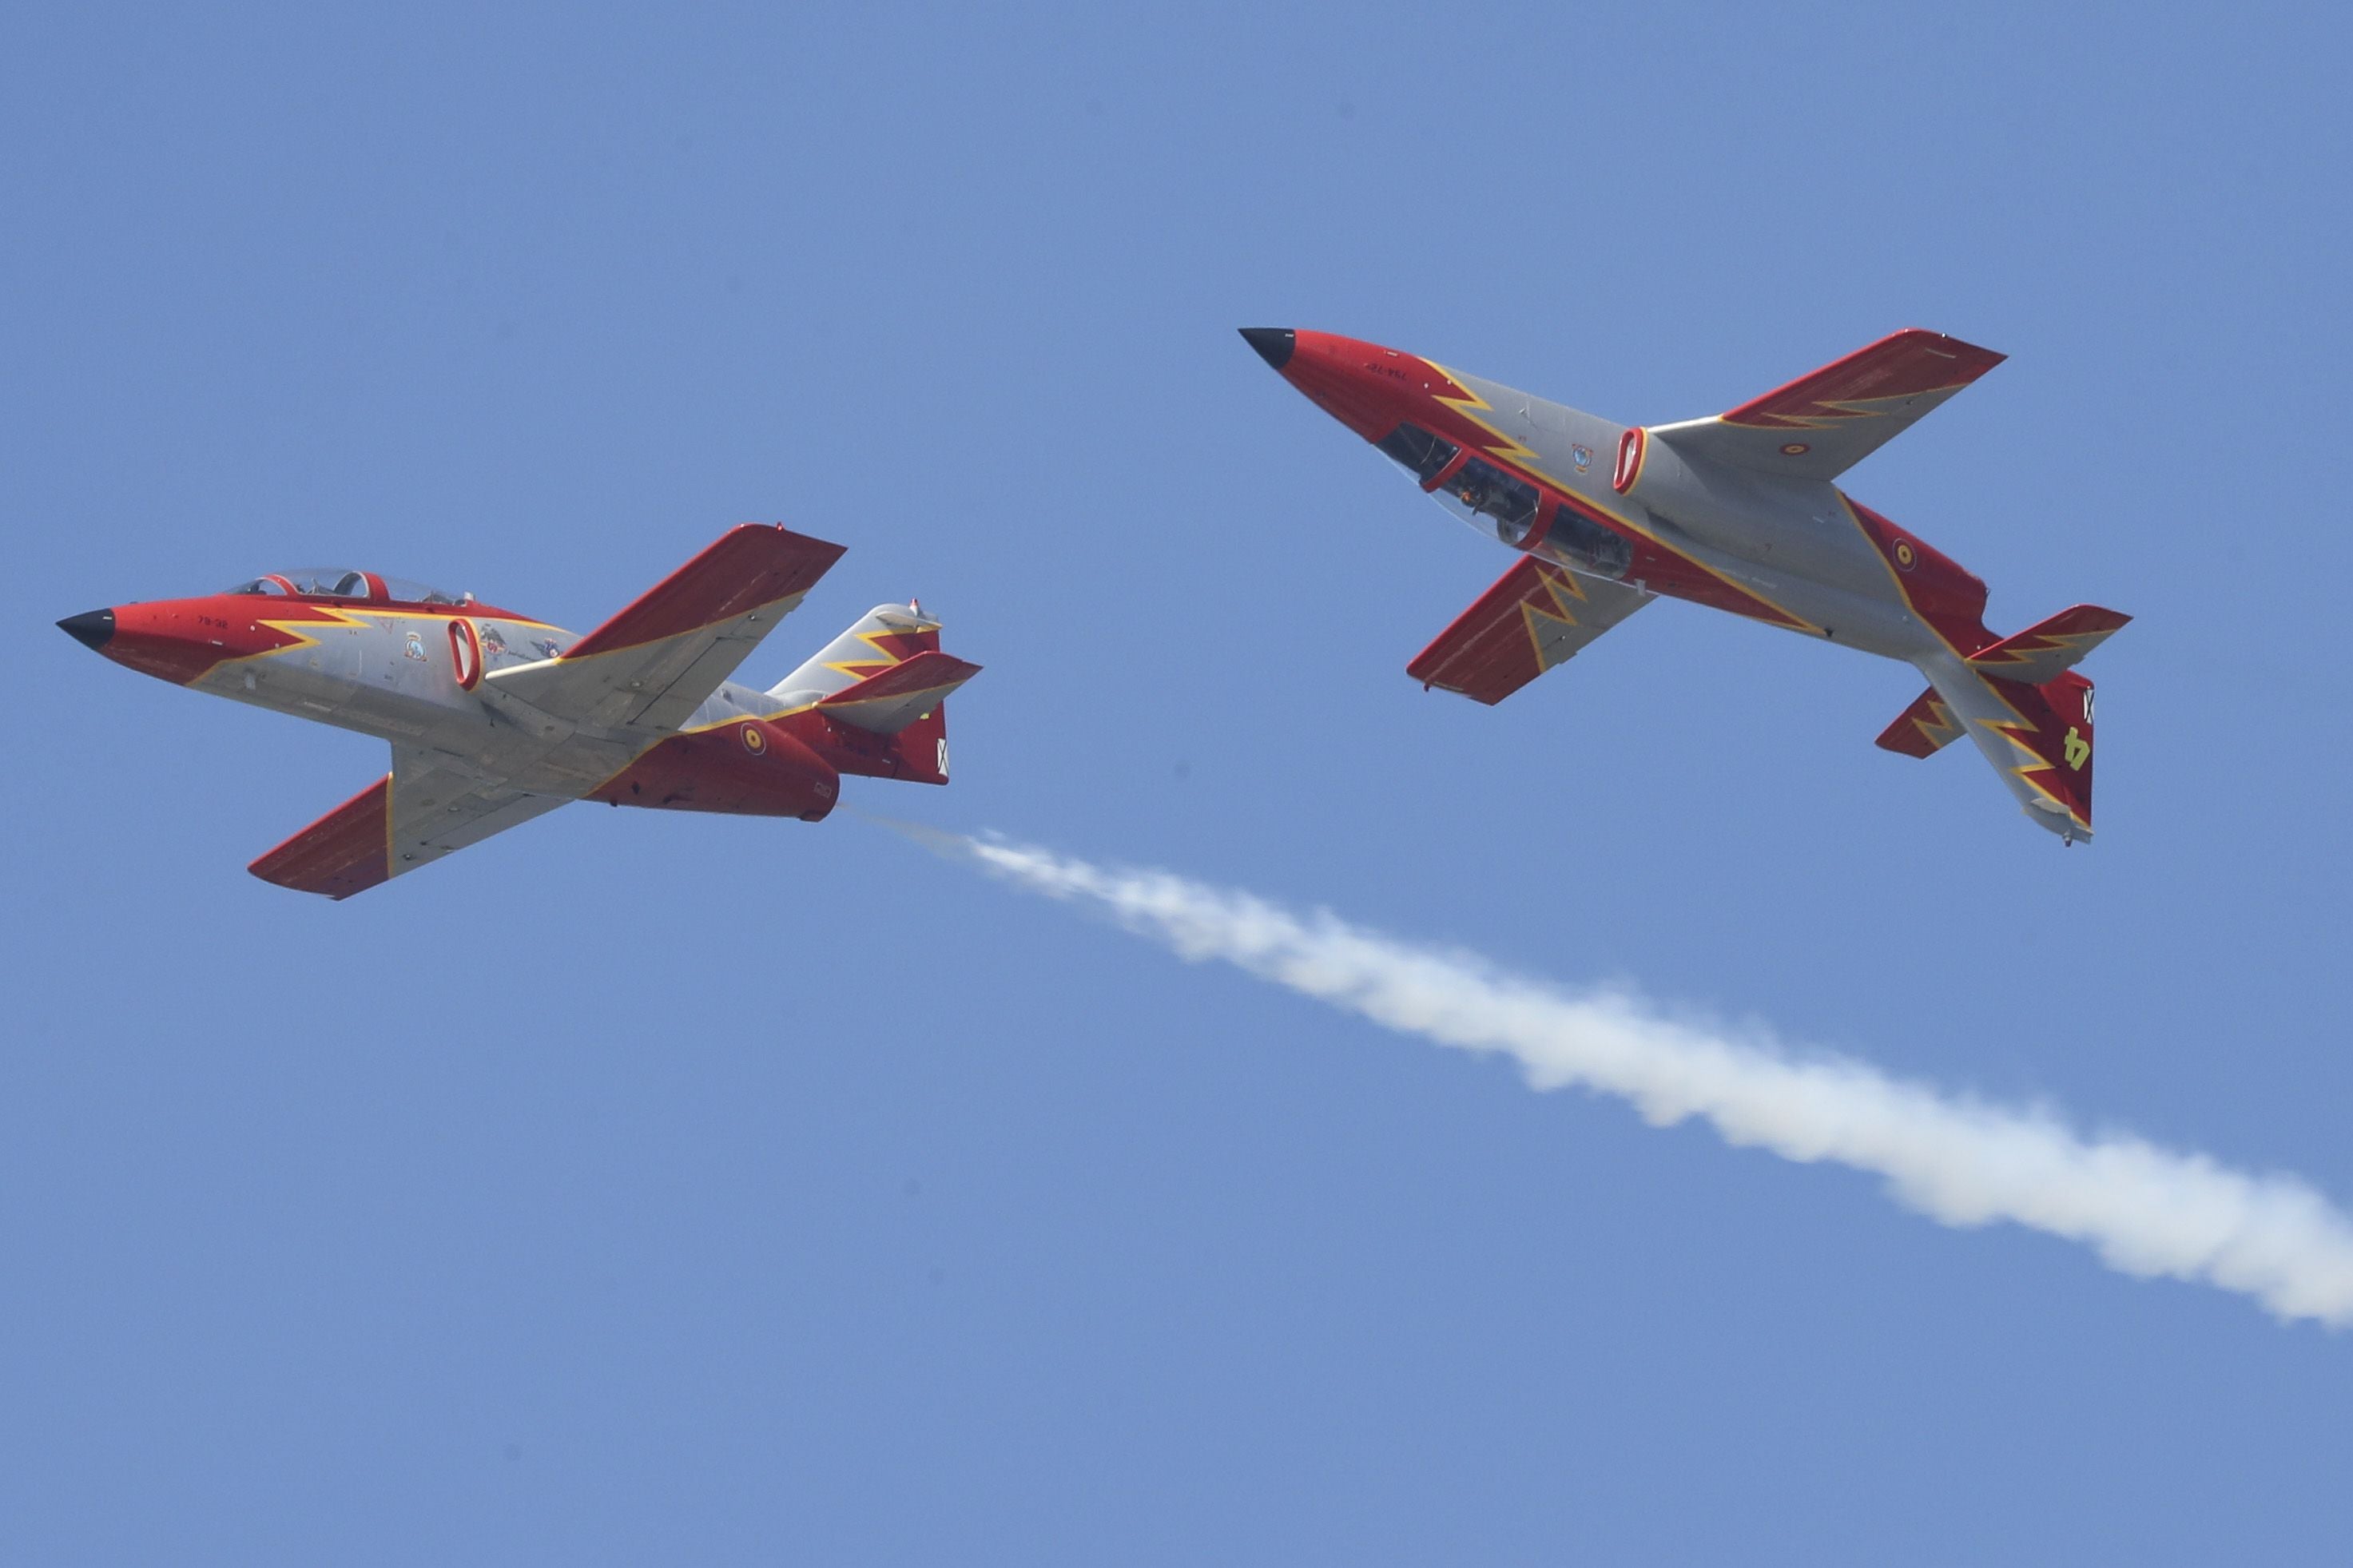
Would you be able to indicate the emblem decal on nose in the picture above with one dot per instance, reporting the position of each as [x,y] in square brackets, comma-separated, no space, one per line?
[1582,456]
[416,648]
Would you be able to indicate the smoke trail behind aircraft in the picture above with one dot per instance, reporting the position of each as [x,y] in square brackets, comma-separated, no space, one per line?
[2145,1210]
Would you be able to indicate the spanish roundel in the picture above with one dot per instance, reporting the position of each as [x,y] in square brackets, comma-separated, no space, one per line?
[1630,459]
[465,653]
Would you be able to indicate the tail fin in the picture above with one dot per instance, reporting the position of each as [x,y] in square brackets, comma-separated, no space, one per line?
[875,700]
[2021,701]
[890,634]
[2038,737]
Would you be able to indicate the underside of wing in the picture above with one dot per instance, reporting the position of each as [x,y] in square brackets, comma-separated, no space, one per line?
[653,664]
[1536,616]
[426,807]
[1821,425]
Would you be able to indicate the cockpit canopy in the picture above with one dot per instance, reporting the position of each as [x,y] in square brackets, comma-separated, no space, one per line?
[345,583]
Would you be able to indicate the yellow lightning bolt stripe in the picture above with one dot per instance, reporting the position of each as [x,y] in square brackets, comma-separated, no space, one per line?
[1836,411]
[2036,763]
[1937,729]
[295,629]
[2030,649]
[1514,451]
[859,669]
[327,615]
[1560,614]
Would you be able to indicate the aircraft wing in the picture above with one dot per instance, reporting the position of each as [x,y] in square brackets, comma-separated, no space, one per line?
[424,808]
[1536,616]
[1821,425]
[653,664]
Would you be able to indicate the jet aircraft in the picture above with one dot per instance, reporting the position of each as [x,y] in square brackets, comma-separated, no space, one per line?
[1738,513]
[495,718]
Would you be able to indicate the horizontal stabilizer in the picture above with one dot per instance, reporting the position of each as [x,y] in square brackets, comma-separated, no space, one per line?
[2044,649]
[1922,730]
[1822,423]
[890,699]
[1536,616]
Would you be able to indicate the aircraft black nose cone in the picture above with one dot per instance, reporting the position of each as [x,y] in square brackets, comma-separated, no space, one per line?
[91,628]
[1273,343]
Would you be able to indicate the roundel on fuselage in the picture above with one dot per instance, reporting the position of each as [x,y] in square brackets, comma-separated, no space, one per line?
[465,653]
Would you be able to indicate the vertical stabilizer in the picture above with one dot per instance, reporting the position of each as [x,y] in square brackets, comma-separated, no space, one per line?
[2038,737]
[890,634]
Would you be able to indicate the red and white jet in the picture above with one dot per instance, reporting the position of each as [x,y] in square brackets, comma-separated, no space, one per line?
[1738,513]
[495,718]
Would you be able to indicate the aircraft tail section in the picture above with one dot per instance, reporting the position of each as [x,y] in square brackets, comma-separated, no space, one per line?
[886,635]
[2040,652]
[876,697]
[1922,730]
[2038,737]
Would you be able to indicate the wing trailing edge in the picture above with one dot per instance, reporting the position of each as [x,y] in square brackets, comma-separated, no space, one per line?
[347,851]
[427,806]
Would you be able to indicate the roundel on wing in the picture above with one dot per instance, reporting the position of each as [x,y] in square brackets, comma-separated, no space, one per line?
[465,653]
[1905,556]
[754,741]
[1630,448]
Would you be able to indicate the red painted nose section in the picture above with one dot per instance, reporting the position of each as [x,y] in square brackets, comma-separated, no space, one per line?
[179,639]
[1364,386]
[173,640]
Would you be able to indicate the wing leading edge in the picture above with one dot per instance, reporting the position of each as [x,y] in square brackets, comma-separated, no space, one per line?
[1824,423]
[654,663]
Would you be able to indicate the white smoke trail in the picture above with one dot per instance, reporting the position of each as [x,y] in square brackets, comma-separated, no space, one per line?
[2145,1210]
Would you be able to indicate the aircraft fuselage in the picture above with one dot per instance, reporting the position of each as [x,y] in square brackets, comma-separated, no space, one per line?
[1794,553]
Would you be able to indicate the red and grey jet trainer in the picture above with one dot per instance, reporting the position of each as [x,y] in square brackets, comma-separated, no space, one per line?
[495,718]
[1739,512]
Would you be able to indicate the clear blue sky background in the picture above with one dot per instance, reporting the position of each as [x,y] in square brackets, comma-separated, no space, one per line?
[640,1188]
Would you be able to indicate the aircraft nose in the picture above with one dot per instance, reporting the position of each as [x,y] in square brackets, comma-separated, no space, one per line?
[91,628]
[1274,344]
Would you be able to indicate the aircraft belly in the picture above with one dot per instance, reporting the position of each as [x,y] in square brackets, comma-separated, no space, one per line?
[1873,622]
[1796,537]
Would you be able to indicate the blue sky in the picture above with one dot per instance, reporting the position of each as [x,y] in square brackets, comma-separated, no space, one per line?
[644,1186]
